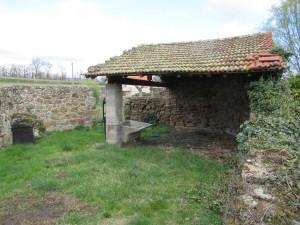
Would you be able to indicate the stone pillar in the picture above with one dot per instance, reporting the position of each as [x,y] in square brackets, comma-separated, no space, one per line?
[114,114]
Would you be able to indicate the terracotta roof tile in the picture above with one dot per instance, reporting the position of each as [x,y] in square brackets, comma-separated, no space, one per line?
[237,54]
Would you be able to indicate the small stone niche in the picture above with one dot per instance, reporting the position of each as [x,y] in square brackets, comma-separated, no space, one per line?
[25,128]
[22,133]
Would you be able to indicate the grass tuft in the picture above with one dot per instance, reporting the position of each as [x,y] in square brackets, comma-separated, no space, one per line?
[106,215]
[139,220]
[46,184]
[67,148]
[79,127]
[56,162]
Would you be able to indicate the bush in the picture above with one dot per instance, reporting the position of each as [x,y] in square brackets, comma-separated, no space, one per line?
[95,87]
[272,98]
[295,87]
[275,126]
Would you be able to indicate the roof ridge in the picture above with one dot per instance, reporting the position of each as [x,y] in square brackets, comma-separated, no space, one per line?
[243,53]
[268,34]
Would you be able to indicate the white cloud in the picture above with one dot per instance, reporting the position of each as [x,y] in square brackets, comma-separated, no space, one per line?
[235,28]
[244,10]
[81,31]
[238,17]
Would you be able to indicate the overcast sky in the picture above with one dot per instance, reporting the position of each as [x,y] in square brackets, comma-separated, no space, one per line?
[88,32]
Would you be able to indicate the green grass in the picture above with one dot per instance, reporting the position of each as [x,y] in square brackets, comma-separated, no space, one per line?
[135,184]
[17,80]
[14,80]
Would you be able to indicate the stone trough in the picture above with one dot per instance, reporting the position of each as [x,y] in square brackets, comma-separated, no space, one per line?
[132,130]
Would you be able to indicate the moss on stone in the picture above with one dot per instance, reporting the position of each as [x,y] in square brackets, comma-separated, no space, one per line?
[23,118]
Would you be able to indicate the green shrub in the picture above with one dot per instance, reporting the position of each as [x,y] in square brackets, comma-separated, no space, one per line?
[282,52]
[295,87]
[275,126]
[95,87]
[272,97]
[276,118]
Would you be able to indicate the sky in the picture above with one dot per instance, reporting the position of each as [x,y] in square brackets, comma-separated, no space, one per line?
[88,32]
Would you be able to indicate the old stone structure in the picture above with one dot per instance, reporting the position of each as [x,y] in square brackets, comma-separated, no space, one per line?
[58,107]
[215,103]
[207,80]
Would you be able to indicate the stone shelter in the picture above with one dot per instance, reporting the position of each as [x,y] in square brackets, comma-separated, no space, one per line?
[207,81]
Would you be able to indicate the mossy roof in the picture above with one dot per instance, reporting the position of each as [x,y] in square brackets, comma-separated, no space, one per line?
[241,54]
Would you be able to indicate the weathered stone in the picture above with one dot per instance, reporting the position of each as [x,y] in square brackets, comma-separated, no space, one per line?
[295,222]
[259,193]
[51,104]
[90,101]
[249,201]
[114,114]
[214,103]
[7,139]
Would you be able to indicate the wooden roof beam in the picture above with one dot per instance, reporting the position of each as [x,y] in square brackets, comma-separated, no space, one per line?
[129,81]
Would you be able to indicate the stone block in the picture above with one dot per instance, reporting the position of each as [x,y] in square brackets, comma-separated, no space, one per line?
[7,139]
[114,134]
[90,101]
[49,123]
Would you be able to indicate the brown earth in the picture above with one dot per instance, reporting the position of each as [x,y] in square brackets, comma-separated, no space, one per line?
[211,144]
[40,210]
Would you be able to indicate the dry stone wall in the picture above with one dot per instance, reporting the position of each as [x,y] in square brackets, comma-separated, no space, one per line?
[58,107]
[214,103]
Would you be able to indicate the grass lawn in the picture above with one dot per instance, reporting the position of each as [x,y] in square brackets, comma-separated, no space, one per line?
[105,184]
[17,80]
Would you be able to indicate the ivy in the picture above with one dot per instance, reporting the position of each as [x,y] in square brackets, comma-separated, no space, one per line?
[294,83]
[275,126]
[282,52]
[273,98]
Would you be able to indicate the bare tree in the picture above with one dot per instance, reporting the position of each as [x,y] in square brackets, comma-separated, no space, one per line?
[37,65]
[48,67]
[4,71]
[285,26]
[63,73]
[24,71]
[14,70]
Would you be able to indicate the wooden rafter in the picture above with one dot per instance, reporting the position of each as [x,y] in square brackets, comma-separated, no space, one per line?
[130,81]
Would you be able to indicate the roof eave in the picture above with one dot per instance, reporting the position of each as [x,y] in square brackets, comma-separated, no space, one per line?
[256,70]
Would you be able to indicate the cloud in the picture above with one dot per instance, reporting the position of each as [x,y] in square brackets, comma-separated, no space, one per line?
[79,31]
[235,28]
[244,10]
[236,17]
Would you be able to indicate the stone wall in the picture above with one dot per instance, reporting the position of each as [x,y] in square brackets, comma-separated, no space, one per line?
[215,103]
[58,107]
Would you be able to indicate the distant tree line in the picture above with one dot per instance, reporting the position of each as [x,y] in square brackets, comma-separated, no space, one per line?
[37,69]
